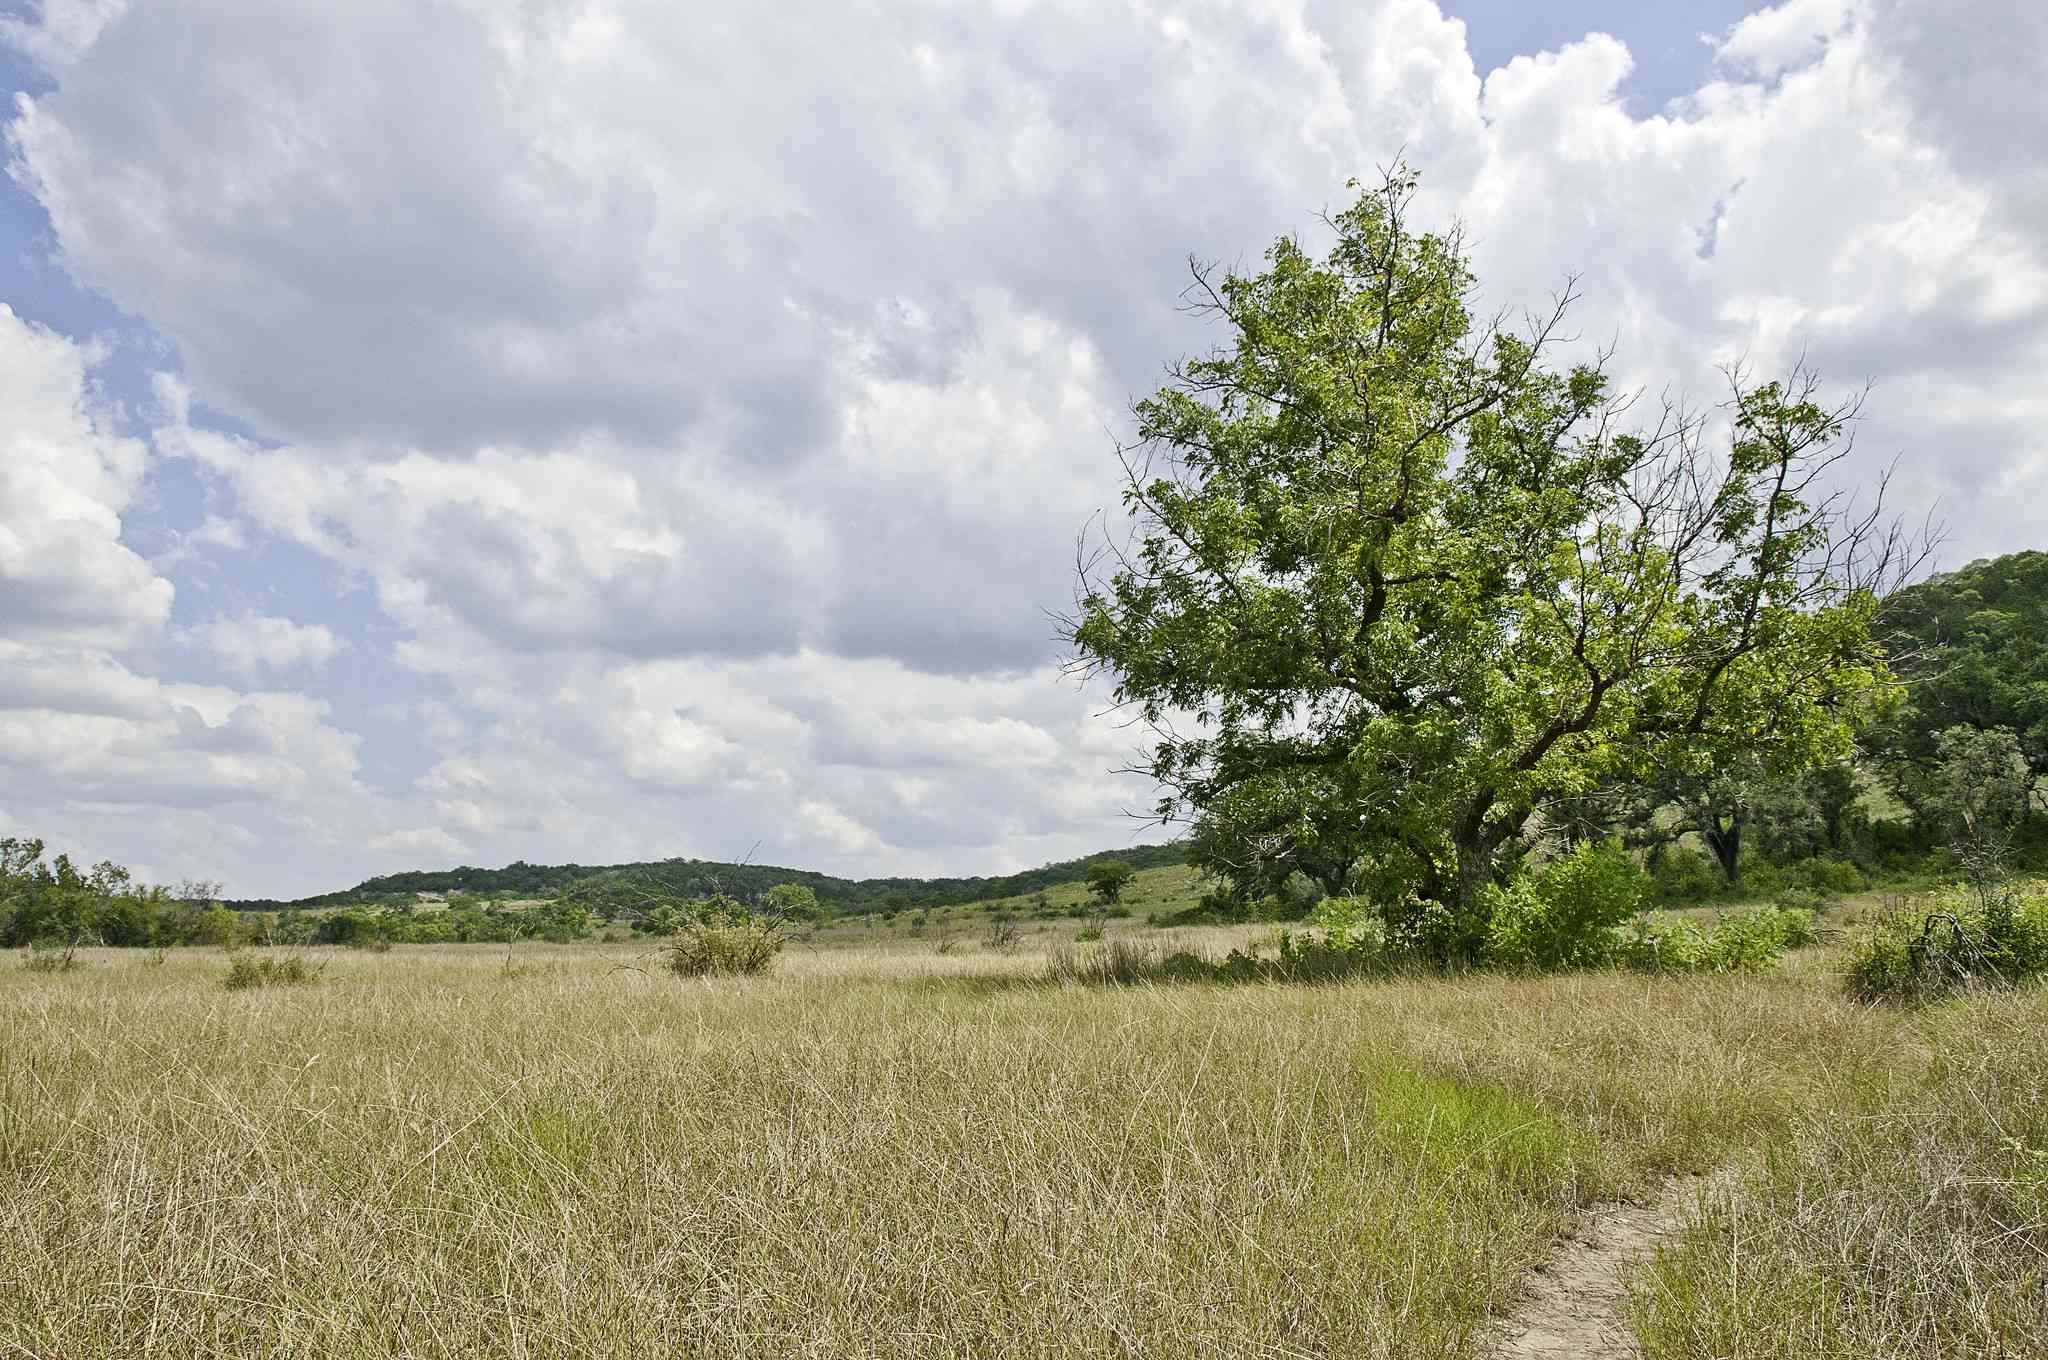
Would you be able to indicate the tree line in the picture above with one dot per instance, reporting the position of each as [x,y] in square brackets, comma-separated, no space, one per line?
[695,878]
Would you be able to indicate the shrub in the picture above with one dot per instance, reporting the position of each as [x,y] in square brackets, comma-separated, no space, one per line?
[1322,957]
[725,942]
[1568,913]
[662,921]
[1003,936]
[1822,875]
[1088,934]
[1742,942]
[1952,943]
[246,971]
[1683,874]
[1748,941]
[1351,926]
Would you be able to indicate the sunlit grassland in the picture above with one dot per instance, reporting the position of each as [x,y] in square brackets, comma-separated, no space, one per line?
[879,1149]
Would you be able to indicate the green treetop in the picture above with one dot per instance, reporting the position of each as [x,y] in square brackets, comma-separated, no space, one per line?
[1395,583]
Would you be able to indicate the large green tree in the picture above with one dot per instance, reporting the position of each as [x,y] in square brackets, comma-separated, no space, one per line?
[1395,582]
[1972,647]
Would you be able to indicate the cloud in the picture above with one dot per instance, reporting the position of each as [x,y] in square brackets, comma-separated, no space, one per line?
[65,479]
[427,840]
[1775,40]
[252,644]
[707,406]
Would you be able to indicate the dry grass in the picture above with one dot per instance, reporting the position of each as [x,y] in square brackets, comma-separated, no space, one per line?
[876,1150]
[1912,1225]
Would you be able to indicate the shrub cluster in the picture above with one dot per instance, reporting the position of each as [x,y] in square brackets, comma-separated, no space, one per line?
[1683,875]
[1568,914]
[725,941]
[1740,942]
[1959,940]
[1583,909]
[246,971]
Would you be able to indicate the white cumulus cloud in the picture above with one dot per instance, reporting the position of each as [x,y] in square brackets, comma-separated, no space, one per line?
[254,644]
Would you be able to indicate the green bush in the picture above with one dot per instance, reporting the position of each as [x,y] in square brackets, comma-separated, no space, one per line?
[1088,934]
[1683,874]
[1324,957]
[1568,914]
[246,971]
[1351,925]
[1742,942]
[662,921]
[725,941]
[1824,875]
[1952,943]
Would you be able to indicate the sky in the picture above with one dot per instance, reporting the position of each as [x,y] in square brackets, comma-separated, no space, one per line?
[457,432]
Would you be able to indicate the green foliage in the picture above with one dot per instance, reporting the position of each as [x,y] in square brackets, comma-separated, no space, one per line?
[58,901]
[1118,963]
[558,922]
[1973,649]
[1741,942]
[1975,793]
[354,928]
[1107,879]
[246,971]
[1567,914]
[1088,934]
[724,941]
[1959,941]
[1390,565]
[791,902]
[661,921]
[1351,925]
[1683,874]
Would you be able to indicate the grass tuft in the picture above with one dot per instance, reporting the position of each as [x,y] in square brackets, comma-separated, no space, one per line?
[246,971]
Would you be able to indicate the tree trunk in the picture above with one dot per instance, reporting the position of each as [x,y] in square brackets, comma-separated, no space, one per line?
[1725,840]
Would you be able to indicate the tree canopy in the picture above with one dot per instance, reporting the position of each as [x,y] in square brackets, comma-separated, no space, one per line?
[1107,879]
[1972,647]
[1395,583]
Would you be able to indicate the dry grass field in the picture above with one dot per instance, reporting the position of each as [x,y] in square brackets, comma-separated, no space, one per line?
[882,1149]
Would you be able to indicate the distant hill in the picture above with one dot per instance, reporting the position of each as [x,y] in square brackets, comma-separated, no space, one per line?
[698,877]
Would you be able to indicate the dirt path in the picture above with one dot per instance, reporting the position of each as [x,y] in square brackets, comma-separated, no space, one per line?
[1573,1308]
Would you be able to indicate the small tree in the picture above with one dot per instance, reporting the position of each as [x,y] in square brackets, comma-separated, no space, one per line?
[1107,879]
[1395,584]
[1978,794]
[791,902]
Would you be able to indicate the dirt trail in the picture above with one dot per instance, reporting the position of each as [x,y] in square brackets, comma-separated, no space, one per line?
[1573,1307]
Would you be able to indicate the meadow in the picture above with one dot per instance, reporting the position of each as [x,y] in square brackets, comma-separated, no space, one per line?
[897,1146]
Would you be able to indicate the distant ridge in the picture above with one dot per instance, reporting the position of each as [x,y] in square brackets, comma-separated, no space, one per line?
[697,877]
